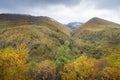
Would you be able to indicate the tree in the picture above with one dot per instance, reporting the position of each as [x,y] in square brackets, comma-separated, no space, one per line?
[82,68]
[65,57]
[112,70]
[46,71]
[68,72]
[13,63]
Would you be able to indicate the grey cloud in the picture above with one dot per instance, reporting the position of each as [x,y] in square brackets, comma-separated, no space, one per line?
[107,4]
[19,4]
[13,4]
[70,9]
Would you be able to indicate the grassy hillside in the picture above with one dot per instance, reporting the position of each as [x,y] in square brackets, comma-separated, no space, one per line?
[97,37]
[94,25]
[13,20]
[42,35]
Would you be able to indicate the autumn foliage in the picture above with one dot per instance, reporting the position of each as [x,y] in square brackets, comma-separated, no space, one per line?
[46,70]
[82,68]
[13,63]
[85,68]
[53,52]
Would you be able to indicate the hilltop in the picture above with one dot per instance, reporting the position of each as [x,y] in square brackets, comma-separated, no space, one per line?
[95,24]
[96,37]
[12,20]
[42,35]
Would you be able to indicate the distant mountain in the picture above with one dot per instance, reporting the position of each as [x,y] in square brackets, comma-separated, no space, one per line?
[73,25]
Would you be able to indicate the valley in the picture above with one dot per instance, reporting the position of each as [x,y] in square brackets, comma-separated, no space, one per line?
[41,48]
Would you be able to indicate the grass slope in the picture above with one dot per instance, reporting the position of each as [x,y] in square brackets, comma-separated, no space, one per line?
[97,37]
[42,35]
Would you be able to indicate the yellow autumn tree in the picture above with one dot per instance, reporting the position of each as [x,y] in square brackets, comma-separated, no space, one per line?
[46,70]
[13,63]
[82,68]
[68,72]
[112,70]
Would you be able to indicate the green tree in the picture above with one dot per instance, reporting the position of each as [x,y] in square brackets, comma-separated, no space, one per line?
[65,57]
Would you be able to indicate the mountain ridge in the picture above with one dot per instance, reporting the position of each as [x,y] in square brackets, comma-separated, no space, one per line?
[100,21]
[95,24]
[21,19]
[41,35]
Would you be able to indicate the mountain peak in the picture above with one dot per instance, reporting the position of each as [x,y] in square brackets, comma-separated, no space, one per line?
[98,21]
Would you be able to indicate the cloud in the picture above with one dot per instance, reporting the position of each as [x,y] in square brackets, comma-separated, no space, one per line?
[108,4]
[12,4]
[65,10]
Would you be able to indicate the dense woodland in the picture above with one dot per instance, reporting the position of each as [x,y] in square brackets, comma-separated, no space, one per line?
[40,48]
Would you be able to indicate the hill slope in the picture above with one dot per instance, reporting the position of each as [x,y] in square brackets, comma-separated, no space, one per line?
[12,20]
[95,24]
[42,35]
[97,37]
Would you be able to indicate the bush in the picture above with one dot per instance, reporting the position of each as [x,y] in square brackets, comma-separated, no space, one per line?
[46,70]
[13,64]
[82,68]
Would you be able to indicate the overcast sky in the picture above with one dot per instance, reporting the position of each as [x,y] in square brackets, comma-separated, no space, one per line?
[65,11]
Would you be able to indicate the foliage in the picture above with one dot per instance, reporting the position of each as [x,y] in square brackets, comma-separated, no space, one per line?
[112,70]
[13,63]
[41,41]
[46,70]
[98,44]
[95,46]
[65,57]
[82,68]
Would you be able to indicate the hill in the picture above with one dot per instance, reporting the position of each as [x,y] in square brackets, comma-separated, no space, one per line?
[12,20]
[95,24]
[96,37]
[42,35]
